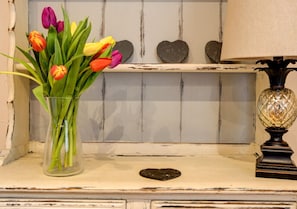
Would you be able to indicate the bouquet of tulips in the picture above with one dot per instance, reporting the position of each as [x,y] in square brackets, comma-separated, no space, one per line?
[63,64]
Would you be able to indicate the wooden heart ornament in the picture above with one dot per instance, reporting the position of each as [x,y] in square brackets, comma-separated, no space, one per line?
[213,51]
[161,174]
[173,52]
[126,48]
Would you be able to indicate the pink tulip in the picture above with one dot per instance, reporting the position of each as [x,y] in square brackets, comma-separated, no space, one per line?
[48,17]
[116,58]
[60,26]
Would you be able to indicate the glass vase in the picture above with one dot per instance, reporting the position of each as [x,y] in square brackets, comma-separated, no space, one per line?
[63,148]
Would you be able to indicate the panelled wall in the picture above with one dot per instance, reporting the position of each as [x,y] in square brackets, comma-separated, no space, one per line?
[164,107]
[175,107]
[145,23]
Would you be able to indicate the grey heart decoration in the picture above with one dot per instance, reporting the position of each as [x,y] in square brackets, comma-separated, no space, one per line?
[161,174]
[173,52]
[213,51]
[126,48]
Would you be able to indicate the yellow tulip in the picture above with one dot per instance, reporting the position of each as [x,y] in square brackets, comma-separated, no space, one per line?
[73,27]
[91,49]
[108,40]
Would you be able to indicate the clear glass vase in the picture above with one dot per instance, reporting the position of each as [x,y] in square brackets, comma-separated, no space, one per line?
[63,148]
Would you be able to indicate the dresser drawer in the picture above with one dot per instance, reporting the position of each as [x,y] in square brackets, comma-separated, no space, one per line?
[221,205]
[62,204]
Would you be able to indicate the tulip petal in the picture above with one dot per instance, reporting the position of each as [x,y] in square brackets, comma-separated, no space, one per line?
[99,64]
[91,49]
[73,27]
[60,26]
[48,17]
[116,58]
[37,41]
[58,71]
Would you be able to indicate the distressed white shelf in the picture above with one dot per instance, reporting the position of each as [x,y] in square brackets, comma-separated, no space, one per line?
[200,68]
[175,68]
[204,177]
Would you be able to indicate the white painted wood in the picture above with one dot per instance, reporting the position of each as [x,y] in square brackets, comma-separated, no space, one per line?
[237,108]
[14,115]
[91,104]
[201,24]
[177,68]
[157,149]
[159,25]
[215,176]
[122,21]
[117,105]
[209,172]
[200,108]
[136,204]
[72,203]
[122,107]
[161,107]
[90,10]
[4,47]
[208,11]
[222,204]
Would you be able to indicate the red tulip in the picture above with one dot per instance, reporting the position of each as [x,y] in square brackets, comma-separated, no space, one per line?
[116,58]
[58,71]
[48,17]
[99,64]
[37,41]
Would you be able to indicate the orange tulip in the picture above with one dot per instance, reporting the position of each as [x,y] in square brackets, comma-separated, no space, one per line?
[99,64]
[58,71]
[37,41]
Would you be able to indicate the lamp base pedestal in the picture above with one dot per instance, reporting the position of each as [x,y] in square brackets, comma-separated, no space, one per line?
[276,159]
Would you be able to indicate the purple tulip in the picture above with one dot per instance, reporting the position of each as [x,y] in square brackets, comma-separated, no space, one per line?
[60,26]
[116,58]
[48,17]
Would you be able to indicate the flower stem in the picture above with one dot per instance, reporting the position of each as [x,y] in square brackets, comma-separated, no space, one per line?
[63,133]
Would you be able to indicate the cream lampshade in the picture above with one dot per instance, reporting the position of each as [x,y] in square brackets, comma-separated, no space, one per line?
[266,31]
[260,29]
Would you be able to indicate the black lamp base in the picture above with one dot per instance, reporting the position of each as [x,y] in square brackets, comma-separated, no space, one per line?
[276,159]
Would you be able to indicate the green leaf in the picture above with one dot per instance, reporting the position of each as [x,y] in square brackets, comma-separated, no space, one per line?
[81,26]
[44,64]
[58,86]
[27,66]
[51,37]
[107,52]
[72,78]
[77,45]
[38,93]
[49,76]
[58,57]
[46,89]
[86,81]
[66,33]
[68,63]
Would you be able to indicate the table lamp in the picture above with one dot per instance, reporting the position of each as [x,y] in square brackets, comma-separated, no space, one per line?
[266,31]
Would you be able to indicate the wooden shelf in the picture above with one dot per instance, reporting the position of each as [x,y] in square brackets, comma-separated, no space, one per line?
[199,68]
[117,177]
[174,68]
